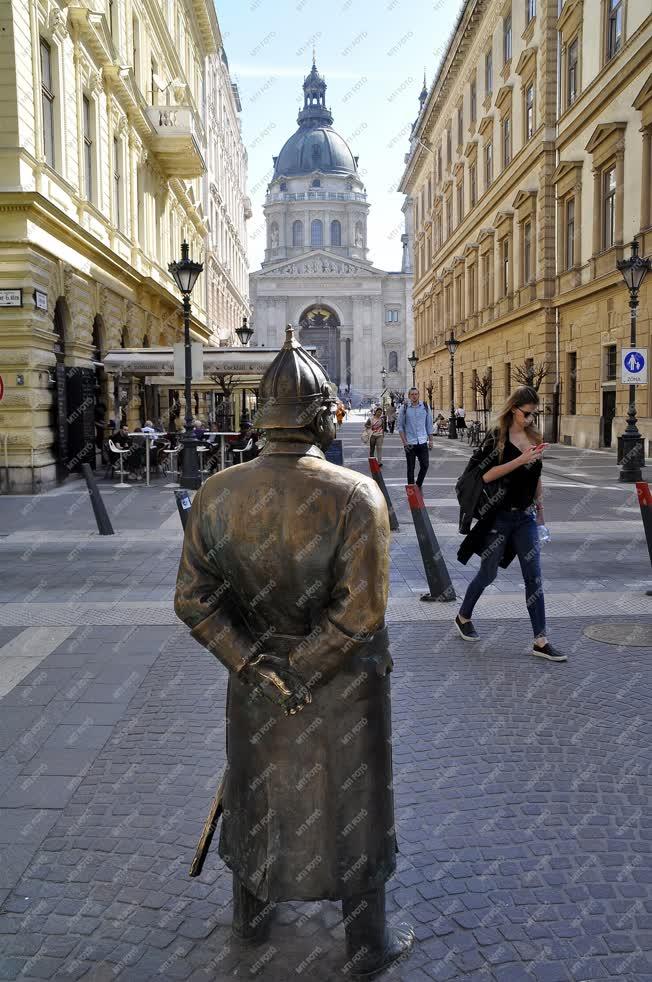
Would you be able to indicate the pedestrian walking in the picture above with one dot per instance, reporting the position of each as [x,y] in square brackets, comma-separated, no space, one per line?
[377,435]
[390,415]
[415,430]
[460,419]
[504,475]
[340,414]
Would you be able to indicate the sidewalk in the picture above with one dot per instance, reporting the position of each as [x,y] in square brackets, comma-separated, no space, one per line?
[521,787]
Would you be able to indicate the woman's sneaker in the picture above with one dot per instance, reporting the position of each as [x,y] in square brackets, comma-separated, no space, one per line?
[547,651]
[467,630]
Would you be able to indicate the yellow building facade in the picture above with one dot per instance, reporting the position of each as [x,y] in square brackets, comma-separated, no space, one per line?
[529,172]
[103,164]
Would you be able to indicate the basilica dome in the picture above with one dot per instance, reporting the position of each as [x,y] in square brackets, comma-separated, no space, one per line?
[315,146]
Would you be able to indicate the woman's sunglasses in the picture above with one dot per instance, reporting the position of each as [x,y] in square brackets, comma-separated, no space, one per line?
[527,415]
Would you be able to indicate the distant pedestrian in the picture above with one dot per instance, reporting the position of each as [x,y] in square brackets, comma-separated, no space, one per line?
[390,415]
[340,413]
[415,430]
[377,435]
[507,468]
[460,418]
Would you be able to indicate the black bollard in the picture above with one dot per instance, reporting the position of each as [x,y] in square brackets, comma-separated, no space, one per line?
[645,502]
[183,504]
[104,526]
[439,582]
[374,467]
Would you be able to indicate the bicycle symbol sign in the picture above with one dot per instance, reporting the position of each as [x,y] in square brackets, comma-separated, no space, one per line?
[634,366]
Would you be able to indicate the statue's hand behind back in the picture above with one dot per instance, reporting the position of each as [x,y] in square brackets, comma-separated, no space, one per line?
[278,683]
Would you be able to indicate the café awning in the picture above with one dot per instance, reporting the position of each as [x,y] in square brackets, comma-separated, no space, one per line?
[157,364]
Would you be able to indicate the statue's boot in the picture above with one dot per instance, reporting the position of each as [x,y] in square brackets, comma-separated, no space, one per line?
[371,945]
[251,916]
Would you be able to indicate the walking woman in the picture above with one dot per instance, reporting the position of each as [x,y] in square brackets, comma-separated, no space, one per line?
[377,435]
[509,463]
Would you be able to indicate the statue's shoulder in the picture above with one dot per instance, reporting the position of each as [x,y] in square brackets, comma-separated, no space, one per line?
[348,482]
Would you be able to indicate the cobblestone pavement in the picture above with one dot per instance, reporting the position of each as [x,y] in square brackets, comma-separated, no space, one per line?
[522,788]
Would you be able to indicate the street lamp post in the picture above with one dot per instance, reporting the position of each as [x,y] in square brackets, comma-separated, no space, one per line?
[383,381]
[245,334]
[414,361]
[185,273]
[634,271]
[452,344]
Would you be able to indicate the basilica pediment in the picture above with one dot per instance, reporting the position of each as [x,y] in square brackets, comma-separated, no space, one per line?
[321,264]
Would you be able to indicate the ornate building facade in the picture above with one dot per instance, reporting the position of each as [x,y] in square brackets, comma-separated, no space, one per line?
[227,206]
[317,273]
[103,147]
[529,168]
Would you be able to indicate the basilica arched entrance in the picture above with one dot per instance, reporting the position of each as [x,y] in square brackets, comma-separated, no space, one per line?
[319,326]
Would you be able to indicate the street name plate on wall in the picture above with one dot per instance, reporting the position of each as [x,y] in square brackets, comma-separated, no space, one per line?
[633,366]
[40,300]
[11,298]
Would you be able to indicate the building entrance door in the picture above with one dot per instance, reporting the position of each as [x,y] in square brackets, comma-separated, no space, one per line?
[320,328]
[608,413]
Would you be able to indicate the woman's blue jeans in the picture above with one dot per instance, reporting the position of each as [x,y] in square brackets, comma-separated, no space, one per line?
[519,529]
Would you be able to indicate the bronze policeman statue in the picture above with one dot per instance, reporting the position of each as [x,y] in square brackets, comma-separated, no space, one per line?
[284,578]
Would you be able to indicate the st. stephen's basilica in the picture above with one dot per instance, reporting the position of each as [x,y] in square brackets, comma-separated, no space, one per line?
[316,273]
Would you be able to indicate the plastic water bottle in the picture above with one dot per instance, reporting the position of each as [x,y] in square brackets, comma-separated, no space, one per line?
[544,534]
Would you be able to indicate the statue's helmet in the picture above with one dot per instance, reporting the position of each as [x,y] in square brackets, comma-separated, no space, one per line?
[293,389]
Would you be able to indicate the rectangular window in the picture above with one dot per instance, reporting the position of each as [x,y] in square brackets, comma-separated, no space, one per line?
[572,74]
[473,181]
[609,208]
[610,363]
[47,102]
[111,23]
[88,148]
[472,275]
[614,27]
[460,127]
[572,383]
[135,49]
[152,81]
[391,316]
[488,164]
[504,258]
[507,140]
[488,72]
[570,233]
[460,202]
[527,251]
[531,10]
[485,281]
[458,300]
[507,38]
[449,216]
[429,193]
[439,165]
[529,111]
[117,188]
[449,144]
[474,100]
[508,378]
[439,237]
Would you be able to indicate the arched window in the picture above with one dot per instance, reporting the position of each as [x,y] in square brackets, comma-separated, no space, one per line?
[297,233]
[145,340]
[316,233]
[316,183]
[336,233]
[393,361]
[283,186]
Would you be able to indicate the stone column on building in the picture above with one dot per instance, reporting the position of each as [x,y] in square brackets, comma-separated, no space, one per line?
[620,192]
[646,177]
[597,179]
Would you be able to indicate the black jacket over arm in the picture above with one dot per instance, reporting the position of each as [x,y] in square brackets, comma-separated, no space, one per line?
[481,501]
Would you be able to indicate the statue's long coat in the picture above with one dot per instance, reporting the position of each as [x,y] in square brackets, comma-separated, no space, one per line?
[289,554]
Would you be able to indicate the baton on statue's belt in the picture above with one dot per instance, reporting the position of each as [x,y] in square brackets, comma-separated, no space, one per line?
[208,830]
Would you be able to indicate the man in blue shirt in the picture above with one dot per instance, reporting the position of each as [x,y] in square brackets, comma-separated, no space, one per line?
[415,429]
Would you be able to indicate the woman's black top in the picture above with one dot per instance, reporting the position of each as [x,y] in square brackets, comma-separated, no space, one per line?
[521,484]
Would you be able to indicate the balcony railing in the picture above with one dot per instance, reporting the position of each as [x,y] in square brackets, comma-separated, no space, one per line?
[178,143]
[317,196]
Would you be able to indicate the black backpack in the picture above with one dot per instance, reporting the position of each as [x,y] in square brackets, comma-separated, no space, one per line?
[476,498]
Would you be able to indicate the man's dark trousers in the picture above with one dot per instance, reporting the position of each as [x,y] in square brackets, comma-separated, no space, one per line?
[419,450]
